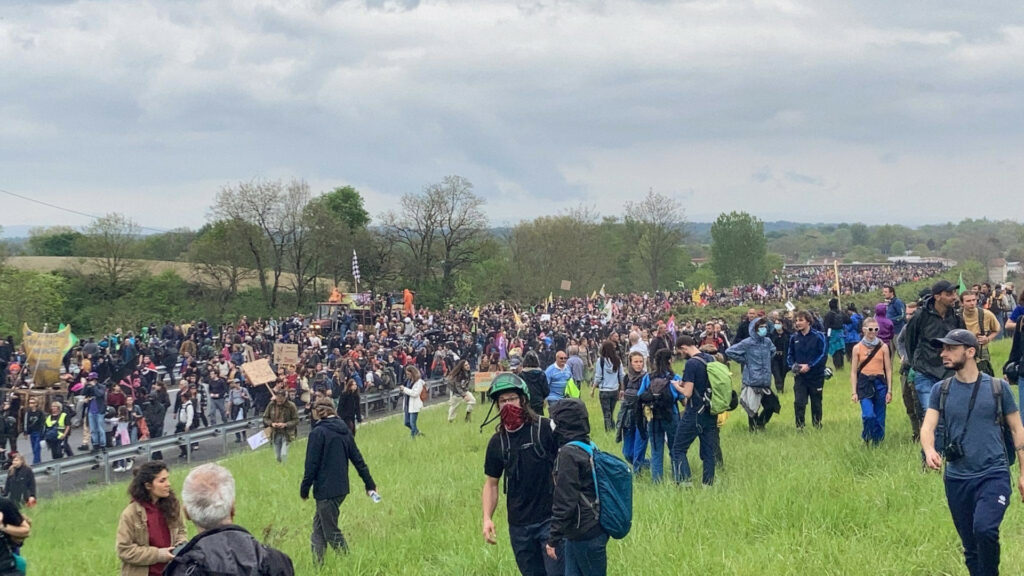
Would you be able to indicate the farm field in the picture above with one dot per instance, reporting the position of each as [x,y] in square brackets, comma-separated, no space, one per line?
[786,503]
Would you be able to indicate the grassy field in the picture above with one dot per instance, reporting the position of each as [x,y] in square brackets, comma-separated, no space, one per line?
[786,503]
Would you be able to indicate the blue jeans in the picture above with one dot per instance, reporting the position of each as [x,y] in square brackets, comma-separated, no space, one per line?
[634,449]
[410,422]
[691,427]
[872,412]
[34,438]
[97,433]
[977,506]
[923,383]
[587,557]
[528,543]
[657,432]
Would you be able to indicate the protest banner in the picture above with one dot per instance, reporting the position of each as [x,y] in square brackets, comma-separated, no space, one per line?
[286,354]
[45,351]
[259,372]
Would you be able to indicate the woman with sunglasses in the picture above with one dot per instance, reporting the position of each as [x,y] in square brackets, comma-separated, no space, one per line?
[871,381]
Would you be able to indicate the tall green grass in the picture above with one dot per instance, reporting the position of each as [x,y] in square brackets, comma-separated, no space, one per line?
[810,503]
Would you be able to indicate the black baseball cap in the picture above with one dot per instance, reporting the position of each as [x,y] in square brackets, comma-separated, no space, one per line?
[958,337]
[943,286]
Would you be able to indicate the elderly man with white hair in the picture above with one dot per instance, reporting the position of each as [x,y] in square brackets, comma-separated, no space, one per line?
[221,547]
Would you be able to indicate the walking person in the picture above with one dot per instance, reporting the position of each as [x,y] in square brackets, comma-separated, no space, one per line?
[412,387]
[330,449]
[460,382]
[574,519]
[239,400]
[632,423]
[349,408]
[779,336]
[282,417]
[808,352]
[536,381]
[972,409]
[521,452]
[152,524]
[33,425]
[218,397]
[185,418]
[934,318]
[608,382]
[756,353]
[871,381]
[20,485]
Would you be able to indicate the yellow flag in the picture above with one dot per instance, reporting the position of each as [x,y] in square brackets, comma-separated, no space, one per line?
[476,313]
[551,297]
[515,315]
[702,288]
[45,350]
[696,295]
[835,266]
[593,295]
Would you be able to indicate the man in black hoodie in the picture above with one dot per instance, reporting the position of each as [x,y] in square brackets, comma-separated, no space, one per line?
[574,511]
[221,547]
[331,446]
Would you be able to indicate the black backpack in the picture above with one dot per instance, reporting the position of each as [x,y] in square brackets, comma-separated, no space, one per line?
[659,396]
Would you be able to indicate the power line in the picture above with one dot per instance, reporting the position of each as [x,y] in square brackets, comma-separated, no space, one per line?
[72,211]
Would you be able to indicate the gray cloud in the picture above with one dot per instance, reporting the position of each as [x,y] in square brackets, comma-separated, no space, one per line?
[541,104]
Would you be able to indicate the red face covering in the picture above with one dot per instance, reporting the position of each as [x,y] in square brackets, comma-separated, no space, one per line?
[512,417]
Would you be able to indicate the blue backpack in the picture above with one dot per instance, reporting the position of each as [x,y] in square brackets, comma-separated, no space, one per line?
[613,480]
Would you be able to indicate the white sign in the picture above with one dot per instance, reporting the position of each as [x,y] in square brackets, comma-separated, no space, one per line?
[257,440]
[790,306]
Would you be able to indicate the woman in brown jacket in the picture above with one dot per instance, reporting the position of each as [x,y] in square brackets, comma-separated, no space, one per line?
[152,525]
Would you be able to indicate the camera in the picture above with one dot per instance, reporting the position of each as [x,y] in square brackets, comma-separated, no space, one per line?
[953,451]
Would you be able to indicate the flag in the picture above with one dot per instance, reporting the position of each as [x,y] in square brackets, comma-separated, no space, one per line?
[672,326]
[696,296]
[515,316]
[476,313]
[601,291]
[701,288]
[593,295]
[963,287]
[355,265]
[551,298]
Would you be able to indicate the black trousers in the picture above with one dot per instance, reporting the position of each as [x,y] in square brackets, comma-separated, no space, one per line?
[977,506]
[608,401]
[804,388]
[779,372]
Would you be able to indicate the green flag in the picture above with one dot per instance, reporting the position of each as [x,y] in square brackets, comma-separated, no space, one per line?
[963,287]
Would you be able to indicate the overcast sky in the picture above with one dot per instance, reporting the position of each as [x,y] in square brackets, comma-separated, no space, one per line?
[905,112]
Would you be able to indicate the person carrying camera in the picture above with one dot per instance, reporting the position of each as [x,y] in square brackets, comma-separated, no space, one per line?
[972,409]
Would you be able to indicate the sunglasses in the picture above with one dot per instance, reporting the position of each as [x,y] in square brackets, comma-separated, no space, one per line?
[872,329]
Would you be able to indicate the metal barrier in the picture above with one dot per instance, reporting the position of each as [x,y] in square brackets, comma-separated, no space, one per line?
[383,403]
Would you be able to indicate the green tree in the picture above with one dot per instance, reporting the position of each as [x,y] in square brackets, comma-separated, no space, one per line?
[33,297]
[346,203]
[738,249]
[112,243]
[220,259]
[897,248]
[53,241]
[656,228]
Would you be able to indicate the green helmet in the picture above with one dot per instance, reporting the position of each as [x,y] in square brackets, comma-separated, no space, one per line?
[507,382]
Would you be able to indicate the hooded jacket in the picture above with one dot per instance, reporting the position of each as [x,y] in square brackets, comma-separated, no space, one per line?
[886,330]
[926,325]
[331,446]
[755,354]
[229,550]
[574,512]
[537,383]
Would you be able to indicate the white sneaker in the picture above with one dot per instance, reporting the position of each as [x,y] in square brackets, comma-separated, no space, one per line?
[129,465]
[118,468]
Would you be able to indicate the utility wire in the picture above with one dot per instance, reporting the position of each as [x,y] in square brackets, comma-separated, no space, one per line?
[71,210]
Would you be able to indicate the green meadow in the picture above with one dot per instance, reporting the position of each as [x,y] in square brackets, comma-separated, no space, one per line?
[812,503]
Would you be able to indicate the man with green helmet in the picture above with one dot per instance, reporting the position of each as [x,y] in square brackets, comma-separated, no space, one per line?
[522,450]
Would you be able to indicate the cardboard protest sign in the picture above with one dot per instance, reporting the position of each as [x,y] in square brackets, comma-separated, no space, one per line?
[566,285]
[286,354]
[259,372]
[45,350]
[482,380]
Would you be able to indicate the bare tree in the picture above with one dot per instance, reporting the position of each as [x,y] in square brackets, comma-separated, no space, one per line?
[462,226]
[301,248]
[220,258]
[111,242]
[265,205]
[656,227]
[415,229]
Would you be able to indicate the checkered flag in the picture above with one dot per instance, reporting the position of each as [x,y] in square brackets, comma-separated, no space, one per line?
[355,266]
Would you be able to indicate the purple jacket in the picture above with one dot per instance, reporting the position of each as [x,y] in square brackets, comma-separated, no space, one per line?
[885,327]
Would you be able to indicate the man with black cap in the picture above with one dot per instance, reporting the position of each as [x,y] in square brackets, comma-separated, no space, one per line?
[972,409]
[935,316]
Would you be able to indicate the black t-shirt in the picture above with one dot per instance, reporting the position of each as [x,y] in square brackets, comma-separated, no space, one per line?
[528,471]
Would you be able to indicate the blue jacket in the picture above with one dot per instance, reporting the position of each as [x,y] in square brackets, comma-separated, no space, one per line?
[896,311]
[811,349]
[851,330]
[676,396]
[605,377]
[557,380]
[755,354]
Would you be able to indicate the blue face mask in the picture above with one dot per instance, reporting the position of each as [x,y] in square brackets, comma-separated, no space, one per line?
[762,331]
[778,326]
